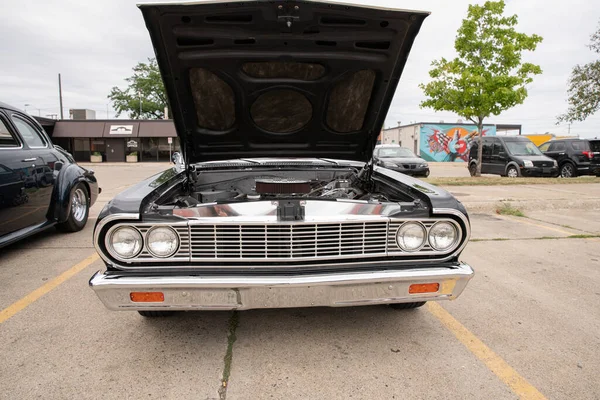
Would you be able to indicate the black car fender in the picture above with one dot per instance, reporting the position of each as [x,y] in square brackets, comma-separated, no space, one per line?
[513,163]
[69,176]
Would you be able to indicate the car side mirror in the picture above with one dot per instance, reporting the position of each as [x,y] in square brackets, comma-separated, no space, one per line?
[177,158]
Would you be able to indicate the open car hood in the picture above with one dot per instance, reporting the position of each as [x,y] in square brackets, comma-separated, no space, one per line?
[279,78]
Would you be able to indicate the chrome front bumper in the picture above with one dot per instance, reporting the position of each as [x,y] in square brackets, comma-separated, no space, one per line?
[248,292]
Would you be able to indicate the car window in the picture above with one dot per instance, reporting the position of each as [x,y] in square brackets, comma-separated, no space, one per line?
[487,149]
[558,146]
[497,149]
[545,146]
[29,133]
[522,148]
[595,145]
[6,138]
[580,146]
[396,152]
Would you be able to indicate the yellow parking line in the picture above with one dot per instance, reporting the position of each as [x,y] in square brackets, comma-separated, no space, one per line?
[528,222]
[19,305]
[493,361]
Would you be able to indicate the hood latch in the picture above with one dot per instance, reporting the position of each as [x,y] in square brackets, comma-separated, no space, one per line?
[288,13]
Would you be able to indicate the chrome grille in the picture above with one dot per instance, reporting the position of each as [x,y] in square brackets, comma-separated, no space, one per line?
[252,243]
[288,241]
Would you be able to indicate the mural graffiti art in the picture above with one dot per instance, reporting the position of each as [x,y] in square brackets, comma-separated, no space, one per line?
[449,142]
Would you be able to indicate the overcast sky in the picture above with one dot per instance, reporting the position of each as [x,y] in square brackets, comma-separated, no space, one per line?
[94,45]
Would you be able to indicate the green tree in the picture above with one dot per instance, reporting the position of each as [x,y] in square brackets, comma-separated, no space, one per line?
[144,85]
[584,87]
[488,75]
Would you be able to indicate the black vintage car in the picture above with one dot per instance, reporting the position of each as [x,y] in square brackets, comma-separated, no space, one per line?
[278,202]
[40,184]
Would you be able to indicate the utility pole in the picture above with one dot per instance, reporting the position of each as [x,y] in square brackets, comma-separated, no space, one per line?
[140,93]
[60,96]
[107,111]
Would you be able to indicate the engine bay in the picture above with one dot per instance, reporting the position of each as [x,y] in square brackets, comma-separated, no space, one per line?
[218,186]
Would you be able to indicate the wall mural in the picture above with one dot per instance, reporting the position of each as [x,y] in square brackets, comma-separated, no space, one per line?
[449,142]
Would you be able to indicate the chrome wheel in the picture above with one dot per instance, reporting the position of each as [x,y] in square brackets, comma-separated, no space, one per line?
[79,204]
[512,172]
[567,171]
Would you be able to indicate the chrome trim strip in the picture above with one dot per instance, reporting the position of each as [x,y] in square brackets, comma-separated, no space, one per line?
[464,219]
[104,221]
[247,292]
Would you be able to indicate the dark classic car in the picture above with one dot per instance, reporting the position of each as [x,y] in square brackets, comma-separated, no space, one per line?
[277,202]
[40,184]
[400,159]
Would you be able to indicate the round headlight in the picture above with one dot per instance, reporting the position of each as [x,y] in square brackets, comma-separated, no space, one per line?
[162,241]
[126,242]
[442,236]
[411,236]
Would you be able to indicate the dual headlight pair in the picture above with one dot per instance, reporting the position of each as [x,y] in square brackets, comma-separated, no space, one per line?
[412,236]
[127,242]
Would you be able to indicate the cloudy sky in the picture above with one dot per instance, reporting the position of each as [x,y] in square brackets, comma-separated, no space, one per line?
[94,45]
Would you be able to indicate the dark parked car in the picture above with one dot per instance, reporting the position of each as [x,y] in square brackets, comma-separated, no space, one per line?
[40,184]
[278,203]
[574,156]
[511,156]
[400,159]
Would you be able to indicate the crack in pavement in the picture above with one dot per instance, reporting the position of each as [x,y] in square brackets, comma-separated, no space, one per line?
[234,321]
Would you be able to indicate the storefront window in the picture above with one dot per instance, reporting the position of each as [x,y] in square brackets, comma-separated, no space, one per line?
[98,146]
[165,150]
[149,149]
[158,149]
[81,149]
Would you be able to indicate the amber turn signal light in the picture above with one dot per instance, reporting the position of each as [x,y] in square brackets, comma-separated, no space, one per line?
[424,288]
[147,297]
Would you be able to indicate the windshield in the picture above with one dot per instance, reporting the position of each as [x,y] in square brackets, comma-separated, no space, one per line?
[522,149]
[396,152]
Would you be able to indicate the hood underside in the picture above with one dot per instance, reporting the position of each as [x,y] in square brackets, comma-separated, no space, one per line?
[279,78]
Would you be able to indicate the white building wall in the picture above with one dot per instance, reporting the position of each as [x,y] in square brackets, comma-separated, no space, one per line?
[406,136]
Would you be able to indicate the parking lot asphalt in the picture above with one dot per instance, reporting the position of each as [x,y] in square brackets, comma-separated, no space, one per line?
[526,326]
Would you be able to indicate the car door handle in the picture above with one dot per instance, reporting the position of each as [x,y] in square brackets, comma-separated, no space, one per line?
[561,154]
[29,159]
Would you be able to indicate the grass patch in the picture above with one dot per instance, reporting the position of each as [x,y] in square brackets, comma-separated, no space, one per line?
[227,360]
[538,238]
[583,236]
[508,209]
[502,181]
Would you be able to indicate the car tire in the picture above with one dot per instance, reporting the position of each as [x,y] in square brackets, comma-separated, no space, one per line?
[513,172]
[79,209]
[473,169]
[156,314]
[568,170]
[407,306]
